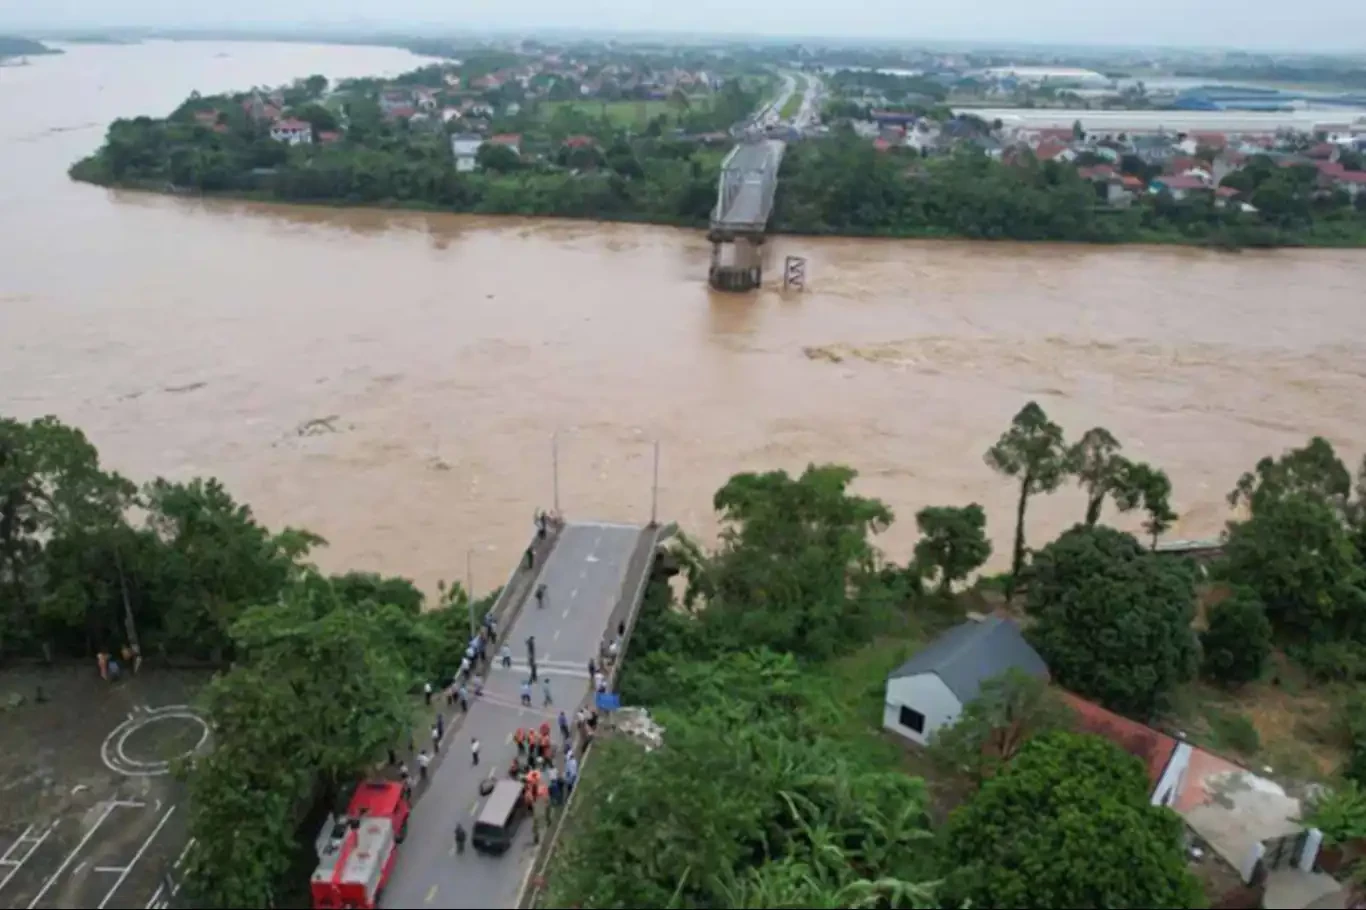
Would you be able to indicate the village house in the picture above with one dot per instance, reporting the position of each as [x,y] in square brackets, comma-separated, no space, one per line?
[1180,186]
[292,132]
[1115,192]
[511,141]
[928,692]
[465,147]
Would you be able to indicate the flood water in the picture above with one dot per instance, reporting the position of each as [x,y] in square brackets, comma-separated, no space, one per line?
[392,380]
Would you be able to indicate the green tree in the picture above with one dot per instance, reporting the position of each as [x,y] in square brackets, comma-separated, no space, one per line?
[1314,471]
[793,559]
[1032,451]
[317,696]
[319,117]
[220,561]
[1011,710]
[1300,559]
[1150,488]
[1067,824]
[1100,470]
[497,158]
[315,85]
[1237,643]
[953,543]
[51,487]
[1112,621]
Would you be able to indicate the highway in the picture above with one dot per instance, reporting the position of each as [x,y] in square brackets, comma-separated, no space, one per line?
[583,576]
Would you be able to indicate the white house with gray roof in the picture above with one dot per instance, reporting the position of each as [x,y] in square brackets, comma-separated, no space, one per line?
[929,691]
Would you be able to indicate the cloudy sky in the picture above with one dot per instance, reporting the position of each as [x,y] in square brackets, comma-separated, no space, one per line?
[1268,24]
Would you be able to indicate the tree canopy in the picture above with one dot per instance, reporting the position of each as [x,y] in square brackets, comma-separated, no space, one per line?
[1111,620]
[1067,824]
[1032,450]
[953,542]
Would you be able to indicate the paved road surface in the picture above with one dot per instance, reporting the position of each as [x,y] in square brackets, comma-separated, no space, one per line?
[747,206]
[583,578]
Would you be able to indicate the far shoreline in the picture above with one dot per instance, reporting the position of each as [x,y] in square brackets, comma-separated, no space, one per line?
[418,208]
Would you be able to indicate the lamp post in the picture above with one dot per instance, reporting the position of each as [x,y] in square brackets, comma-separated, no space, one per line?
[555,468]
[469,588]
[654,490]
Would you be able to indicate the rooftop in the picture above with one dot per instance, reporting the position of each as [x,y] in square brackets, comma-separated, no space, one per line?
[970,653]
[1152,748]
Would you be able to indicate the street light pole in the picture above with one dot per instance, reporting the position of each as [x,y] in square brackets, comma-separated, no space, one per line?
[654,490]
[555,468]
[469,587]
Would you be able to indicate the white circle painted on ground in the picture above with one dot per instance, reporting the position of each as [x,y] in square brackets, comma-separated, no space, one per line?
[114,749]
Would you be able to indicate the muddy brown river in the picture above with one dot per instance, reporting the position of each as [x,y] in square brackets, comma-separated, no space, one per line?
[392,380]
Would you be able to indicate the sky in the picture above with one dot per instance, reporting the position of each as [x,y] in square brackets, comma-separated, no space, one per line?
[1307,25]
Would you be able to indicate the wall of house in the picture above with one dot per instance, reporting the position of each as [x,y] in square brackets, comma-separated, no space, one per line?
[925,693]
[1173,776]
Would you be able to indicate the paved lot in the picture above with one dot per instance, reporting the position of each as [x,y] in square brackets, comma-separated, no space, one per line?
[113,856]
[90,816]
[583,577]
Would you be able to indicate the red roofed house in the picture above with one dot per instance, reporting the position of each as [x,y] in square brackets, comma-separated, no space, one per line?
[293,132]
[1180,185]
[1216,141]
[329,136]
[1104,175]
[1246,820]
[1324,151]
[581,142]
[1052,150]
[400,112]
[1353,183]
[1157,751]
[881,144]
[510,140]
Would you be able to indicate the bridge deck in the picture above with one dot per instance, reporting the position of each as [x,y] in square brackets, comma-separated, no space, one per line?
[590,569]
[749,178]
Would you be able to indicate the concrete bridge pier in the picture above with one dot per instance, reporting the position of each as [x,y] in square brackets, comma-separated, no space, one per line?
[736,262]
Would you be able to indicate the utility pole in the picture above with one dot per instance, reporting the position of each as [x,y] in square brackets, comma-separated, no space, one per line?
[469,587]
[555,468]
[654,490]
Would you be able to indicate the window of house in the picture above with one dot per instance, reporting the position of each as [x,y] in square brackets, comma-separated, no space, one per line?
[912,719]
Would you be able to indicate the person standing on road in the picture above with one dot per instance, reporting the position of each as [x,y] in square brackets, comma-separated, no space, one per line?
[545,690]
[526,693]
[437,730]
[459,838]
[427,692]
[464,699]
[423,760]
[474,750]
[540,596]
[440,726]
[564,726]
[506,654]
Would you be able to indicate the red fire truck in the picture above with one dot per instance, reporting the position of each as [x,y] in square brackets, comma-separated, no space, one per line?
[357,853]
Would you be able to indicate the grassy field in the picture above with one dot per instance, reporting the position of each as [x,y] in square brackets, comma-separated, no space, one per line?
[794,103]
[621,113]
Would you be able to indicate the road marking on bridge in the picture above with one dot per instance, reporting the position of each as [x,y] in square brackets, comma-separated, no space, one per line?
[61,870]
[137,858]
[556,636]
[565,614]
[431,894]
[155,900]
[33,843]
[574,593]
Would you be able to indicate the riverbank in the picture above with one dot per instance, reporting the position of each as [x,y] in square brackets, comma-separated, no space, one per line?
[1231,238]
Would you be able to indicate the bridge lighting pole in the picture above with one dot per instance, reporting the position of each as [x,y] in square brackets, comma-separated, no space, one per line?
[555,469]
[654,490]
[469,588]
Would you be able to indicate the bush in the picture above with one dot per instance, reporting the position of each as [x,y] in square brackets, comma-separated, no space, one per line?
[1238,640]
[1234,731]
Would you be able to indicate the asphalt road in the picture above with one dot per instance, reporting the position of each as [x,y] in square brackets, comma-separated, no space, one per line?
[583,578]
[748,203]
